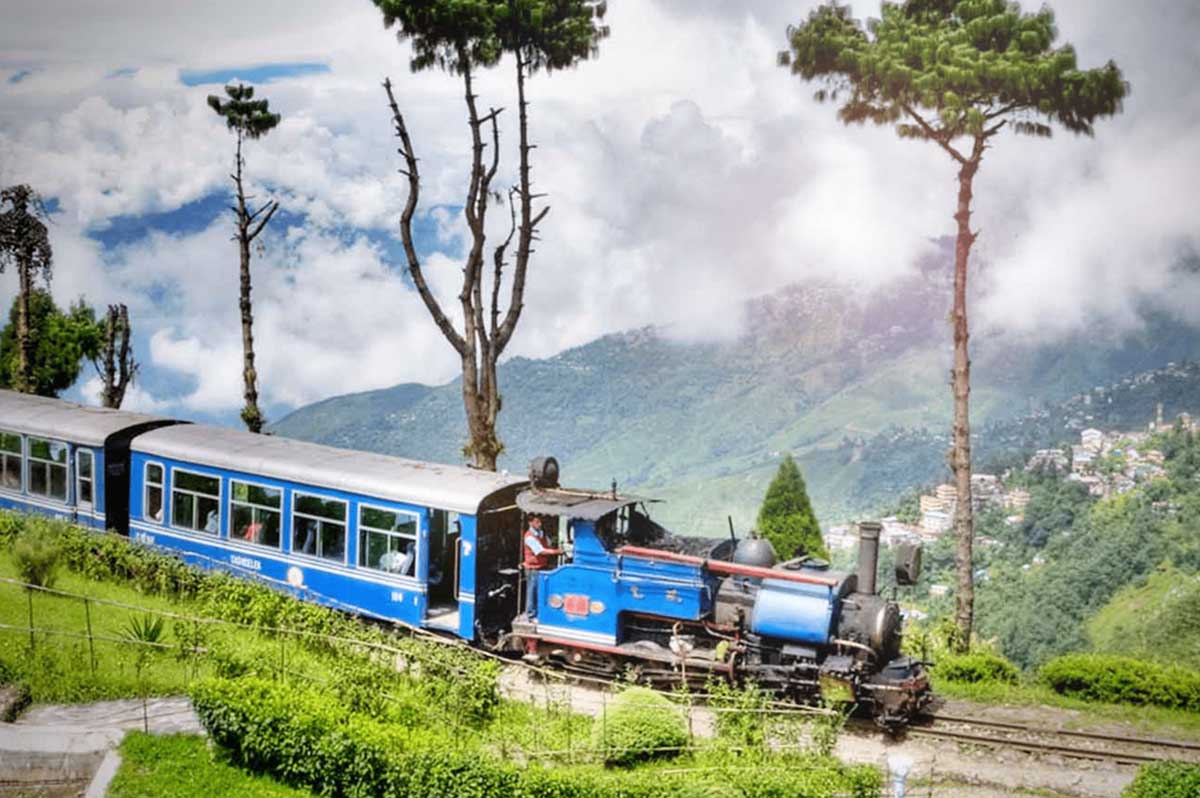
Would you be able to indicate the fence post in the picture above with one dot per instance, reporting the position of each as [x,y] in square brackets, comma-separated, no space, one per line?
[87,614]
[29,596]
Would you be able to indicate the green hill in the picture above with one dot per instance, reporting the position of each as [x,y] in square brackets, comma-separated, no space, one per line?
[854,387]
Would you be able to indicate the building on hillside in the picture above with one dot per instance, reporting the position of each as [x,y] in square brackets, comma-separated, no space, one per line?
[1093,483]
[935,522]
[1048,460]
[895,531]
[932,504]
[986,489]
[1017,499]
[840,537]
[1092,439]
[948,494]
[1082,459]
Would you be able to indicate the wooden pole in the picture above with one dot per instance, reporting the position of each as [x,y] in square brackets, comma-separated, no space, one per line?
[87,614]
[32,643]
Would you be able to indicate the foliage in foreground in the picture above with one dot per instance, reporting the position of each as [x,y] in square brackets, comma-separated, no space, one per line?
[979,666]
[1164,780]
[1123,680]
[641,725]
[313,740]
[37,557]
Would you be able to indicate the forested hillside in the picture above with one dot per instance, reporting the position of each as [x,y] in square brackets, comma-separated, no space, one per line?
[1116,575]
[854,387]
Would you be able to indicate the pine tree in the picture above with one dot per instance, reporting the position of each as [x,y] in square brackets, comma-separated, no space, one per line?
[786,517]
[248,119]
[25,243]
[955,73]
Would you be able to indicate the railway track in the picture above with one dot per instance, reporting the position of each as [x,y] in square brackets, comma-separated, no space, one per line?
[1119,749]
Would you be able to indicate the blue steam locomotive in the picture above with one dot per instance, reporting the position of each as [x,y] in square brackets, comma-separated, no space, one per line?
[439,547]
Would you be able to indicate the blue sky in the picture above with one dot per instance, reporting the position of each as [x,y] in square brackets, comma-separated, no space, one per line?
[683,173]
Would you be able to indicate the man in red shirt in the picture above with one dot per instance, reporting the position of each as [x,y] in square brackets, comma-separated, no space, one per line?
[537,556]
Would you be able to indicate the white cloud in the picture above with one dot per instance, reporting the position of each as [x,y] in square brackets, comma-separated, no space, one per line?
[685,171]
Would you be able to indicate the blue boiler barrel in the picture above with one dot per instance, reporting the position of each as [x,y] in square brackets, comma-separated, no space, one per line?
[794,611]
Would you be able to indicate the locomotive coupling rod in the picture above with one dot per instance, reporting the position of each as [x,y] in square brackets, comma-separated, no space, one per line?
[723,567]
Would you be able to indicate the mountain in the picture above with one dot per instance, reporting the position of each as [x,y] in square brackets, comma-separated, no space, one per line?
[854,386]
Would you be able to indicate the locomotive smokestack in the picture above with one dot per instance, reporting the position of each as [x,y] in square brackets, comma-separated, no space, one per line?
[868,555]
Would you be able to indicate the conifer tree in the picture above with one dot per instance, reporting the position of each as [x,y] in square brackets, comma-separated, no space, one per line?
[114,361]
[786,517]
[248,119]
[25,244]
[955,73]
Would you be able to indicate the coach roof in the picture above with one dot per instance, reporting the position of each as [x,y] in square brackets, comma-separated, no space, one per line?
[446,487]
[54,418]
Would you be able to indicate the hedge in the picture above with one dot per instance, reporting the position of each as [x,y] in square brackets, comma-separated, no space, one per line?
[976,667]
[1123,680]
[464,679]
[311,740]
[1164,780]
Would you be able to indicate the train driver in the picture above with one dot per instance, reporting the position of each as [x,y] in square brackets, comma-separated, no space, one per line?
[537,553]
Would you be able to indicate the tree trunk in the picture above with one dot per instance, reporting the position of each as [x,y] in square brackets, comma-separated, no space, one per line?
[960,456]
[24,341]
[251,415]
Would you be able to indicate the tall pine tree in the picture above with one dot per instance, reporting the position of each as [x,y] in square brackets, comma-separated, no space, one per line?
[956,73]
[786,517]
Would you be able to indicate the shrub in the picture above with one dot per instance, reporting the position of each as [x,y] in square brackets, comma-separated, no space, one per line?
[641,725]
[1123,680]
[1164,780]
[314,741]
[976,667]
[740,713]
[37,552]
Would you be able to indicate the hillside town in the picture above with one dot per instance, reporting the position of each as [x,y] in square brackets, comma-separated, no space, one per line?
[1106,463]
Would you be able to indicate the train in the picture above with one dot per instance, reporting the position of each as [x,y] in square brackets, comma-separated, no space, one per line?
[439,547]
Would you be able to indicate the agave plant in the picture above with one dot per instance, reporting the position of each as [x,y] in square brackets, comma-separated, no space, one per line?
[147,628]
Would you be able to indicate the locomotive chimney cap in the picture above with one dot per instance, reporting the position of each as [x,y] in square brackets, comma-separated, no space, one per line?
[543,472]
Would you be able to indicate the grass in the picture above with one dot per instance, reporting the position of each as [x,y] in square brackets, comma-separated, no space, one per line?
[182,766]
[59,668]
[1148,720]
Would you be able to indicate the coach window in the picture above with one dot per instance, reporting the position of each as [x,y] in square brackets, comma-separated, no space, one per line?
[152,509]
[10,461]
[85,492]
[254,513]
[319,527]
[48,468]
[387,541]
[195,501]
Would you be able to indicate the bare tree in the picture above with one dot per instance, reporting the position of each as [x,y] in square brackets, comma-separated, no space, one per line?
[461,37]
[114,362]
[25,244]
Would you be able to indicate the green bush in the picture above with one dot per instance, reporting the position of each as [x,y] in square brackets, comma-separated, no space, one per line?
[314,741]
[641,725]
[981,666]
[1164,780]
[37,553]
[1123,680]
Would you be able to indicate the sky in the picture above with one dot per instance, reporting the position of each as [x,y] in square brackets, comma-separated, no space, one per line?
[684,170]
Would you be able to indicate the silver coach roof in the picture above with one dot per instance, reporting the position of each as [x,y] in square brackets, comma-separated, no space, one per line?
[447,487]
[54,418]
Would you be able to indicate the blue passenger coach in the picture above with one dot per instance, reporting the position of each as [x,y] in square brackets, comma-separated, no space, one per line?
[365,532]
[67,460]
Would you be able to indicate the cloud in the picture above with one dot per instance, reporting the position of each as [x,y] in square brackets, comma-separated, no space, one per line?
[684,171]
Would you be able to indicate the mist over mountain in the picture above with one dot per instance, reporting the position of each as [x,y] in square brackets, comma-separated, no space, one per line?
[855,386]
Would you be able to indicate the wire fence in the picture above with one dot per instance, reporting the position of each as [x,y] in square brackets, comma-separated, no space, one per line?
[787,727]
